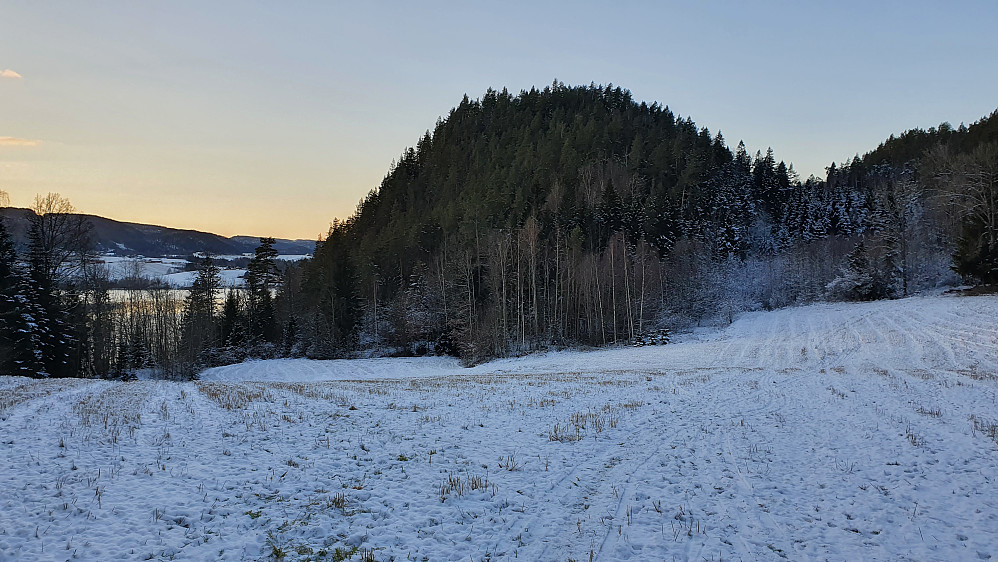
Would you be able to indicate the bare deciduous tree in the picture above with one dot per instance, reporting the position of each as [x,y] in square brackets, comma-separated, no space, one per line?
[969,184]
[64,237]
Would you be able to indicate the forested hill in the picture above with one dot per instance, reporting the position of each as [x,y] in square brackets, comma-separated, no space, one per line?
[911,145]
[496,161]
[577,215]
[567,216]
[513,220]
[131,239]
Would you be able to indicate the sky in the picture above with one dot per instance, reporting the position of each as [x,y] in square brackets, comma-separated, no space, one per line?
[272,118]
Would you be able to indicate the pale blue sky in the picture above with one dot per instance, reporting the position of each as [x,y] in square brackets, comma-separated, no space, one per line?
[272,118]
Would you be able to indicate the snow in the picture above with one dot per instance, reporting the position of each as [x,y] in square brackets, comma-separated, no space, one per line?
[229,277]
[228,256]
[123,267]
[835,431]
[297,370]
[172,270]
[281,257]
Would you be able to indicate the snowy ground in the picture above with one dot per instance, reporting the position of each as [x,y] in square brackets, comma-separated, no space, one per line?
[172,270]
[229,278]
[838,432]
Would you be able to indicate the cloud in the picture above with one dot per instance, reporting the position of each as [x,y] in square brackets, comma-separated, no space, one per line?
[8,73]
[14,141]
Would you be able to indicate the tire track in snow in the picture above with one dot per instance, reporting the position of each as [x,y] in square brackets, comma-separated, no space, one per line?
[592,482]
[976,336]
[762,402]
[944,356]
[627,491]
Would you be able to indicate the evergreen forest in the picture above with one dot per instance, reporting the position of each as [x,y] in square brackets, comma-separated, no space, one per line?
[568,216]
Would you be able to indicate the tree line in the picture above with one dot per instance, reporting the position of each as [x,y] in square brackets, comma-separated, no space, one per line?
[563,216]
[60,317]
[578,216]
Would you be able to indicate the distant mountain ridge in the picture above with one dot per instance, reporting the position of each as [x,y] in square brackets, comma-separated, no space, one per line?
[135,239]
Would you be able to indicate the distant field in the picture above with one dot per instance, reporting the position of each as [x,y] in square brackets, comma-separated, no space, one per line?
[841,432]
[172,270]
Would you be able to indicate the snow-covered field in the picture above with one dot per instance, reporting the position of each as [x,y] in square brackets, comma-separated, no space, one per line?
[123,267]
[172,270]
[229,278]
[168,270]
[838,432]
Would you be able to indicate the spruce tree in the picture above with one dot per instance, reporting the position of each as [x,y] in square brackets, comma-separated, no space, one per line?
[199,324]
[17,355]
[231,324]
[262,277]
[51,333]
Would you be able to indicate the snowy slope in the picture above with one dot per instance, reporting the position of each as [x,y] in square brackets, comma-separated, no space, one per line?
[838,432]
[945,332]
[301,370]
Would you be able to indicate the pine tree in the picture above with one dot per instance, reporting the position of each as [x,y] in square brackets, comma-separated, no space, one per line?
[50,327]
[732,207]
[330,290]
[17,350]
[262,278]
[863,278]
[231,324]
[199,319]
[767,184]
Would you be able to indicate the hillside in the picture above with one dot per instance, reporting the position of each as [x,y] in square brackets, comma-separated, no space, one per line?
[943,178]
[524,218]
[911,145]
[569,216]
[134,239]
[576,215]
